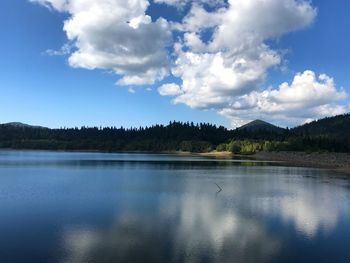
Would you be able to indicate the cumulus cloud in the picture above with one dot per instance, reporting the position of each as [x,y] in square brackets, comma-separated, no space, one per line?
[169,89]
[307,97]
[117,35]
[224,57]
[211,80]
[221,54]
[182,3]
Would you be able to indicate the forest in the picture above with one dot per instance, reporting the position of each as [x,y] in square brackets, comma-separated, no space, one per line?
[325,135]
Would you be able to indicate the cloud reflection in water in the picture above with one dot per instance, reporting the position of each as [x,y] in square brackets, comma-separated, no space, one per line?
[194,229]
[195,225]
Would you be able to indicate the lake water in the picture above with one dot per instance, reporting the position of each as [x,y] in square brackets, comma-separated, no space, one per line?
[96,207]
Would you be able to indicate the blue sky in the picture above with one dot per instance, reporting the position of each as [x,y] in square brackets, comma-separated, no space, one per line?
[64,90]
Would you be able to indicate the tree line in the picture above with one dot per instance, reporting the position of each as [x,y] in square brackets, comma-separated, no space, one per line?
[182,136]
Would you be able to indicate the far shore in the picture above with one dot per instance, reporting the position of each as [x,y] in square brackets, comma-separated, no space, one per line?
[204,154]
[334,161]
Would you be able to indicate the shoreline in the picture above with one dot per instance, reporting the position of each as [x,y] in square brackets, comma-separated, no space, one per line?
[339,162]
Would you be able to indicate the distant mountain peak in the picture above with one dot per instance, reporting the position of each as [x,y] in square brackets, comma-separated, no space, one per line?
[260,125]
[20,125]
[258,121]
[17,124]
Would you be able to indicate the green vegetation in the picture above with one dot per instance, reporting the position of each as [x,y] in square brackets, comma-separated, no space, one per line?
[176,136]
[302,143]
[330,134]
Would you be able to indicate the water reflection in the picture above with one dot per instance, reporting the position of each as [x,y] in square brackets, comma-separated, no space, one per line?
[196,225]
[206,228]
[193,229]
[125,208]
[310,204]
[308,216]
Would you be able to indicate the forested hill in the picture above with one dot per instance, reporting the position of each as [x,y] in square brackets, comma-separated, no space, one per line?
[175,136]
[329,134]
[338,126]
[259,125]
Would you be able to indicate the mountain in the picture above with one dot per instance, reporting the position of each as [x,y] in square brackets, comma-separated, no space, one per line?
[19,125]
[259,125]
[337,126]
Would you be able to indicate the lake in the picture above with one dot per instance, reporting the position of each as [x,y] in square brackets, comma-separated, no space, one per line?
[99,207]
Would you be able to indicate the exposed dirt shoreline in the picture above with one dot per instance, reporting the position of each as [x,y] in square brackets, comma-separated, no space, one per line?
[334,161]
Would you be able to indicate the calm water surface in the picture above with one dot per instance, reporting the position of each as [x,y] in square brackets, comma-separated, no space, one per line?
[95,207]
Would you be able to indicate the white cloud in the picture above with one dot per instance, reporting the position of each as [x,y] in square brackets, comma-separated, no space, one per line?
[117,35]
[307,90]
[169,89]
[60,5]
[236,58]
[182,3]
[306,98]
[64,50]
[225,71]
[212,80]
[248,22]
[198,18]
[221,56]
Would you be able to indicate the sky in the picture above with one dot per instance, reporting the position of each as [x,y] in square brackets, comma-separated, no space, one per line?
[68,63]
